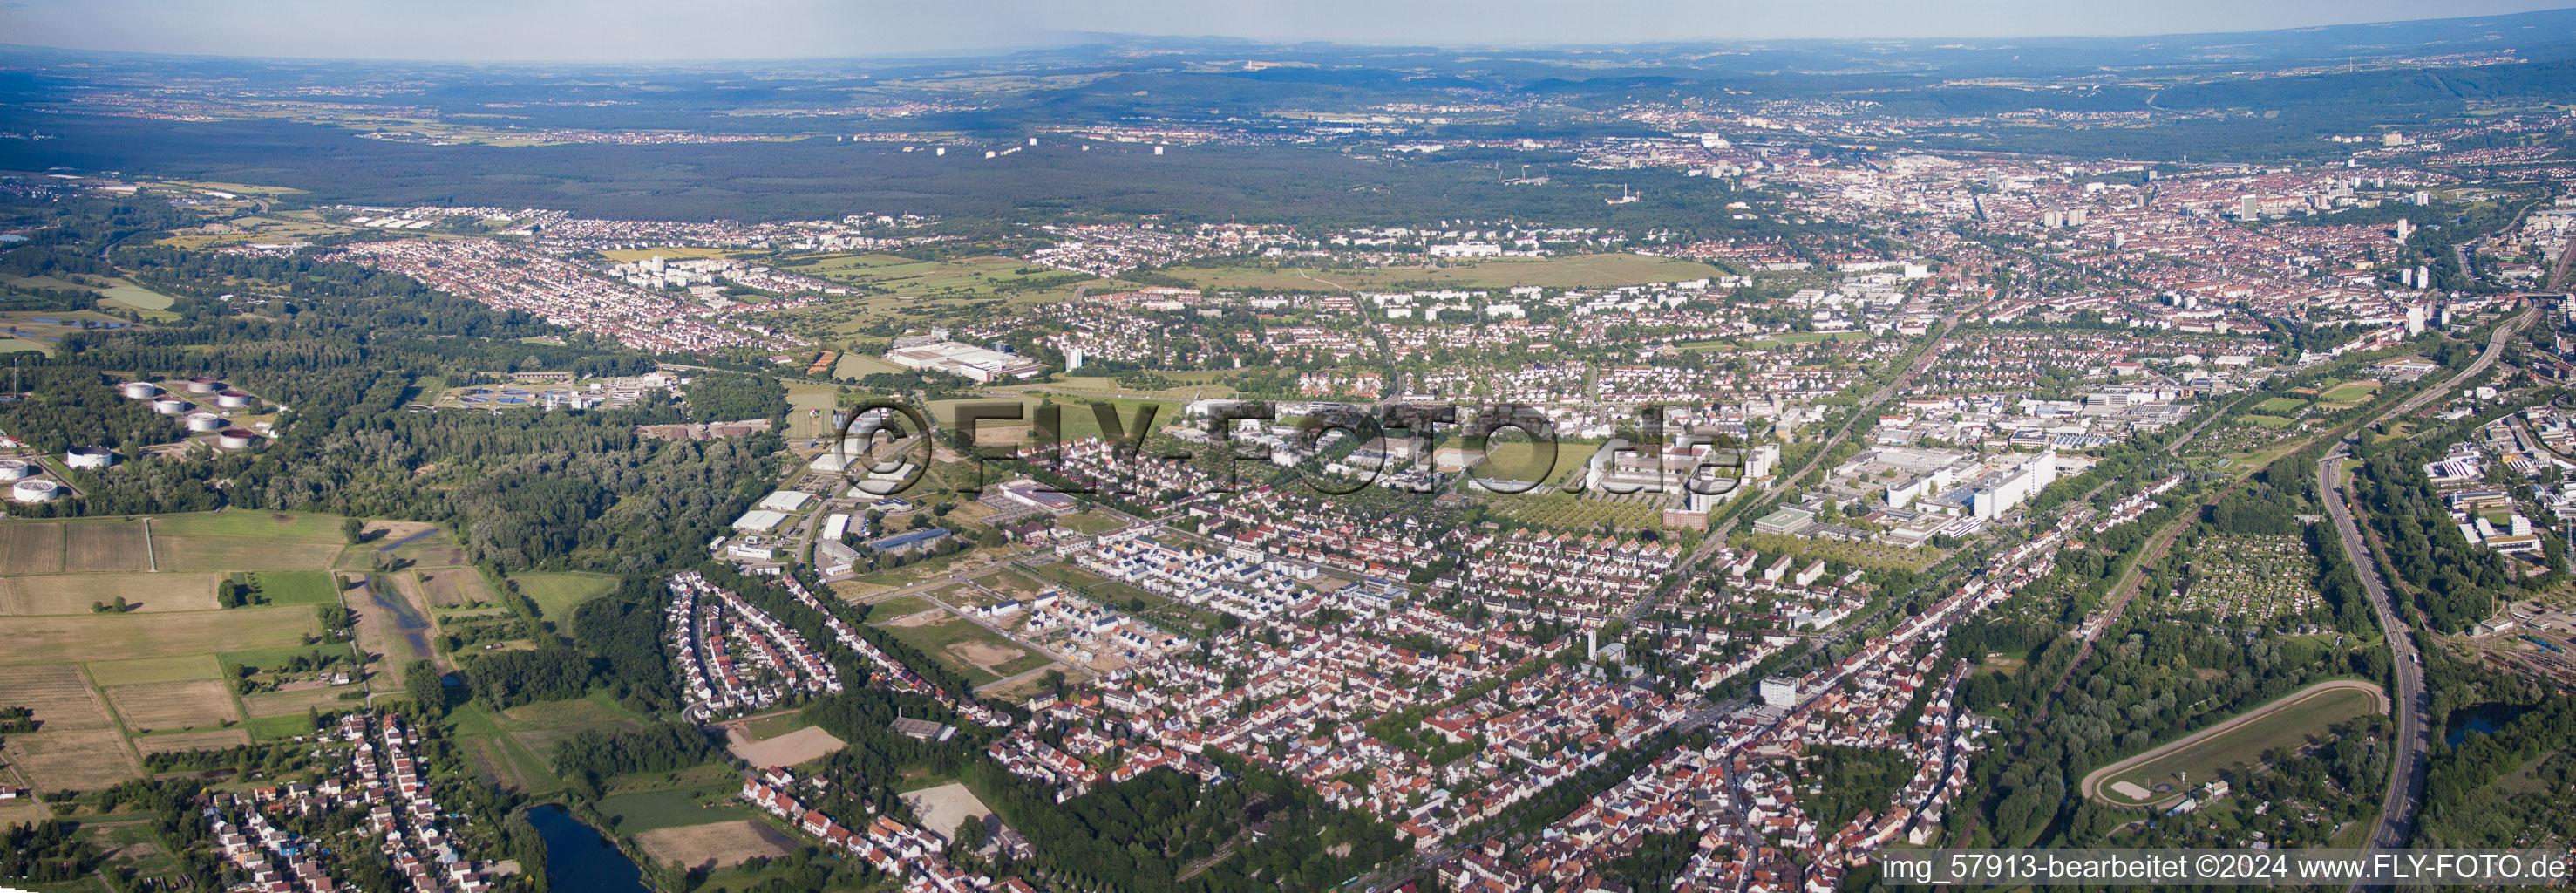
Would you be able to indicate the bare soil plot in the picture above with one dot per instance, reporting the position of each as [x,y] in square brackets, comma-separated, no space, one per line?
[74,593]
[942,808]
[59,695]
[451,588]
[106,546]
[1012,583]
[173,705]
[214,739]
[1002,661]
[56,639]
[717,845]
[143,670]
[35,548]
[81,760]
[802,745]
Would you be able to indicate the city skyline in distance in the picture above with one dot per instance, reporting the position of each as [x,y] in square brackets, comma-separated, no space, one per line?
[673,31]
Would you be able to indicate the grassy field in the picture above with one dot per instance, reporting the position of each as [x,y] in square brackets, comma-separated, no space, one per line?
[1567,271]
[138,297]
[142,670]
[980,276]
[2286,723]
[804,397]
[557,594]
[855,364]
[653,810]
[296,587]
[2280,405]
[246,541]
[966,647]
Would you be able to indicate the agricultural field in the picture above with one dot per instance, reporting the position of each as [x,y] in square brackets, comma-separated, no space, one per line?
[83,638]
[74,593]
[147,670]
[207,739]
[820,400]
[978,653]
[2262,579]
[2157,775]
[77,743]
[715,844]
[557,594]
[106,546]
[173,706]
[855,364]
[245,541]
[1563,271]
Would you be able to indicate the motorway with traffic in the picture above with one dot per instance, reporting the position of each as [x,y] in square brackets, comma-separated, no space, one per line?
[2412,701]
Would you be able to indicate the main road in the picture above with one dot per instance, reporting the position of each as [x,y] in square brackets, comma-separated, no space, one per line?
[2405,793]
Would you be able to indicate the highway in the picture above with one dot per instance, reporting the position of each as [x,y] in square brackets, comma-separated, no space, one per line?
[2412,701]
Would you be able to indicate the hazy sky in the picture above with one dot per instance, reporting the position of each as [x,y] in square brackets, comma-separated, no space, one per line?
[639,30]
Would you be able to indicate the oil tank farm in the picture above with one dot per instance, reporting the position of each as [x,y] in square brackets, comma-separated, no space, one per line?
[236,438]
[232,400]
[90,457]
[15,469]
[205,385]
[207,421]
[171,406]
[34,490]
[141,390]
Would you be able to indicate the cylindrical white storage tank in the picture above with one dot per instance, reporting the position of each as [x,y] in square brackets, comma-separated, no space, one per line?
[205,385]
[232,400]
[207,421]
[235,438]
[141,390]
[171,406]
[33,490]
[15,469]
[90,457]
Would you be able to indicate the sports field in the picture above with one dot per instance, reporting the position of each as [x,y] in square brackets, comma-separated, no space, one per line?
[2280,405]
[2167,773]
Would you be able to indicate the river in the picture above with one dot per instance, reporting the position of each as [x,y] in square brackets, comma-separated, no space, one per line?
[579,859]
